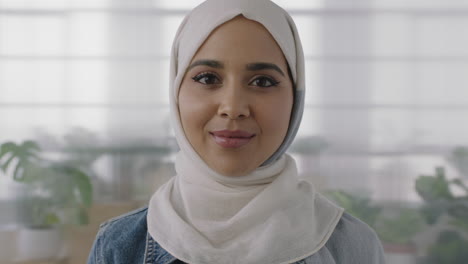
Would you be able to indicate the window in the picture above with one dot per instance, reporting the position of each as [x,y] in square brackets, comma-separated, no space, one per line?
[386,88]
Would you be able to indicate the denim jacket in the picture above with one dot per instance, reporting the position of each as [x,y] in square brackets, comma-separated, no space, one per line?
[125,240]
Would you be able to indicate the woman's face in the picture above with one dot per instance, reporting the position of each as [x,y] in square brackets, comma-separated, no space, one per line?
[236,97]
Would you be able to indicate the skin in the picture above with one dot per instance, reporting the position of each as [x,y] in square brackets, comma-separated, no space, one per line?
[219,91]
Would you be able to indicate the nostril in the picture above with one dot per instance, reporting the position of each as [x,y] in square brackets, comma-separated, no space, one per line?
[233,114]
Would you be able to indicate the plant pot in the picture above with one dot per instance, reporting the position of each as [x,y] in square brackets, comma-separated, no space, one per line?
[400,253]
[40,244]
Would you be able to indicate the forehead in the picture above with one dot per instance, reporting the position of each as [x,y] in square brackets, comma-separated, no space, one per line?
[241,39]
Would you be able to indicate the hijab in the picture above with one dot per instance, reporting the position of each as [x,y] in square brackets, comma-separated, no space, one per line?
[271,215]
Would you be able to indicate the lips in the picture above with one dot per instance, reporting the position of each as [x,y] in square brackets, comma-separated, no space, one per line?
[232,138]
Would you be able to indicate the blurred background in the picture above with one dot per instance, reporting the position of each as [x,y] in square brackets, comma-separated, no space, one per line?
[85,135]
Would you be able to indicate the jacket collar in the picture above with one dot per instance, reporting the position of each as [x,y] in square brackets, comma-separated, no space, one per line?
[154,253]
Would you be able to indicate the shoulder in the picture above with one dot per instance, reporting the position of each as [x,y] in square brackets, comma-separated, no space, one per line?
[121,238]
[354,240]
[130,221]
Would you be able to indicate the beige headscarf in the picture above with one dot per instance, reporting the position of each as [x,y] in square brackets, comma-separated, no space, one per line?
[270,216]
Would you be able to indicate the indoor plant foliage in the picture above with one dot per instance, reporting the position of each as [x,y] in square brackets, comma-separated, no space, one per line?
[451,244]
[358,206]
[436,192]
[402,228]
[58,193]
[396,227]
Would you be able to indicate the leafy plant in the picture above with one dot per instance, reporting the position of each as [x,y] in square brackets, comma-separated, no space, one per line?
[450,247]
[402,228]
[399,229]
[59,192]
[435,191]
[358,206]
[26,156]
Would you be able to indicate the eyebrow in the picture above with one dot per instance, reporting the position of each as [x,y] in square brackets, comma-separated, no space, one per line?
[209,63]
[257,66]
[263,66]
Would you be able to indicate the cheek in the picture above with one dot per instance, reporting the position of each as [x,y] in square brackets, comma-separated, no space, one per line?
[274,116]
[194,113]
[185,106]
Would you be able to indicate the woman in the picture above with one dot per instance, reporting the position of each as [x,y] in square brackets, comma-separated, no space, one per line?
[237,97]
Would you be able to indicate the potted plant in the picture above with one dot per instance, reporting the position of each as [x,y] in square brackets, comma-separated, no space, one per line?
[58,194]
[397,233]
[440,203]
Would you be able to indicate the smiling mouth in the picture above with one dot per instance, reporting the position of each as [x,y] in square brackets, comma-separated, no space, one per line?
[232,139]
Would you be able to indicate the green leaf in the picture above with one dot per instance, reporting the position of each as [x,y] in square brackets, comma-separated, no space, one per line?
[82,184]
[84,187]
[459,209]
[450,248]
[7,163]
[402,228]
[34,173]
[51,219]
[434,188]
[432,213]
[6,148]
[357,206]
[18,173]
[30,146]
[25,154]
[83,218]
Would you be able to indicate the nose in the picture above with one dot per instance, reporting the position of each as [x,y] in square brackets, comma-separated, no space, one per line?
[234,103]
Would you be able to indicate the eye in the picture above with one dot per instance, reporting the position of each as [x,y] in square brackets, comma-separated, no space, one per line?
[264,82]
[206,78]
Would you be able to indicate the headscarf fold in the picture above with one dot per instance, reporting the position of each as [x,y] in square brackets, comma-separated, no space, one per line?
[269,216]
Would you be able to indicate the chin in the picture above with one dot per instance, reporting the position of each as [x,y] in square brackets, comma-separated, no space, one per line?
[233,171]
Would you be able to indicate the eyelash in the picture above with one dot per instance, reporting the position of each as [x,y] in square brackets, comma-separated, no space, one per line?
[202,75]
